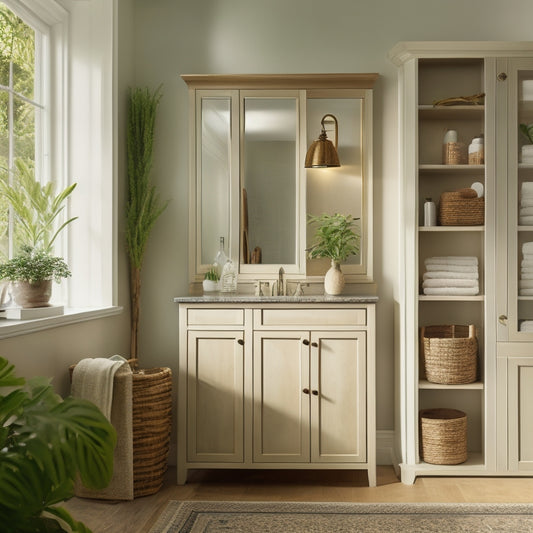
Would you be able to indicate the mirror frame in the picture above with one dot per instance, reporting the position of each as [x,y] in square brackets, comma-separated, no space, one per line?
[308,86]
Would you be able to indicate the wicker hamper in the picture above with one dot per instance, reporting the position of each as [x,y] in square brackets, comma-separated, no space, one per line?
[151,423]
[450,354]
[455,209]
[443,436]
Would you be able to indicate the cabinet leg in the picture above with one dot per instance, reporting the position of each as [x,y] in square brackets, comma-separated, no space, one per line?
[372,476]
[182,475]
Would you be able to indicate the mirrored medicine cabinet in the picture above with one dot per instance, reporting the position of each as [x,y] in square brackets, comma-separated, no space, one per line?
[249,135]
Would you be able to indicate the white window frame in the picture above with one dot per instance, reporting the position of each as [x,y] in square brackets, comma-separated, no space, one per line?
[81,97]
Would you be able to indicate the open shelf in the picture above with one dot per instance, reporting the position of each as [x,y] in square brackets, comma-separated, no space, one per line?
[427,385]
[445,229]
[452,112]
[440,168]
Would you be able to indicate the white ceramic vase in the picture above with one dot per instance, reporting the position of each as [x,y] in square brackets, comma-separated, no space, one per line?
[334,279]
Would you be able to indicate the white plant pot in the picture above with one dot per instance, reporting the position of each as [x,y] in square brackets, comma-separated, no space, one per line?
[209,285]
[334,280]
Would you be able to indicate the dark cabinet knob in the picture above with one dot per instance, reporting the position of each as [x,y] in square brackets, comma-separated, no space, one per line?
[314,392]
[306,342]
[240,341]
[314,344]
[306,391]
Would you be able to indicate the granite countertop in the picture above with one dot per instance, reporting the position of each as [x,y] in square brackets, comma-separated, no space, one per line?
[250,298]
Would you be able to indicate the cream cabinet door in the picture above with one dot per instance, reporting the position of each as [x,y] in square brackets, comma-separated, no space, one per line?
[215,396]
[281,397]
[520,412]
[338,397]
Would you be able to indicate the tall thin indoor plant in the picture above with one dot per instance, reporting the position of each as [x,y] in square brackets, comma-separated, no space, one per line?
[144,205]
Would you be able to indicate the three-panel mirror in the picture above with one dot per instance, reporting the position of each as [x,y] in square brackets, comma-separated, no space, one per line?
[250,192]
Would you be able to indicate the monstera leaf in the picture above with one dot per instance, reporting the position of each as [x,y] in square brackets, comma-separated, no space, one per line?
[45,442]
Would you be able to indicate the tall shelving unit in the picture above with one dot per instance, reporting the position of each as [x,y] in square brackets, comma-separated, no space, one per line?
[431,71]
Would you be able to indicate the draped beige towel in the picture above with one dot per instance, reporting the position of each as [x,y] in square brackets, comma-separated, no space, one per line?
[108,384]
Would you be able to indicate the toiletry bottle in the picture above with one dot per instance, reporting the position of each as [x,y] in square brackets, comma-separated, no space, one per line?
[228,279]
[220,258]
[476,153]
[430,213]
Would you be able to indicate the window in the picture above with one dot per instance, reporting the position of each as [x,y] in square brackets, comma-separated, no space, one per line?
[22,110]
[60,91]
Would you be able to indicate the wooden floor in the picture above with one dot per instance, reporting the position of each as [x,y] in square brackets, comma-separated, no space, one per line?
[138,515]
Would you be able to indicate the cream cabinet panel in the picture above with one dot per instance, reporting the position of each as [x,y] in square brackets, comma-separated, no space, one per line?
[215,396]
[338,375]
[281,407]
[520,413]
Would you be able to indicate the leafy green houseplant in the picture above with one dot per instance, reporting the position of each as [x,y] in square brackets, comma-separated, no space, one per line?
[32,273]
[143,206]
[336,238]
[211,279]
[37,224]
[45,443]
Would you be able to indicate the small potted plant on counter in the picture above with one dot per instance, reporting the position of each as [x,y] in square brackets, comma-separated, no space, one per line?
[335,238]
[211,280]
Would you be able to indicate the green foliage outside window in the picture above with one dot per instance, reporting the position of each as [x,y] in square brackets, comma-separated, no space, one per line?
[17,85]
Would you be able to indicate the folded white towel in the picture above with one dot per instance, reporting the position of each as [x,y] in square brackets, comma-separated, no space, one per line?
[526,325]
[443,282]
[526,202]
[526,275]
[525,292]
[527,187]
[526,211]
[451,260]
[526,270]
[527,248]
[452,268]
[525,220]
[526,263]
[525,284]
[528,257]
[439,274]
[451,291]
[92,379]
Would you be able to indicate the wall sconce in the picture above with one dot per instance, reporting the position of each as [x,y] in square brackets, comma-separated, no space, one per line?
[322,153]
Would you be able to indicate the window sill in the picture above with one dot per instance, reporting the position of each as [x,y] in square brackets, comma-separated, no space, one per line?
[72,315]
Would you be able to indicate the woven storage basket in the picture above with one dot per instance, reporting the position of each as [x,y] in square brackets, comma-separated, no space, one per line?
[456,210]
[151,423]
[151,419]
[443,436]
[454,154]
[450,354]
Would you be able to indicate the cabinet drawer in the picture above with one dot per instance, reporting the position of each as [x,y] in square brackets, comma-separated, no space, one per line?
[312,317]
[215,317]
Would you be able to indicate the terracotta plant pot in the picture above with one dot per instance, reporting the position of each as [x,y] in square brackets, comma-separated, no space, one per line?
[334,280]
[29,295]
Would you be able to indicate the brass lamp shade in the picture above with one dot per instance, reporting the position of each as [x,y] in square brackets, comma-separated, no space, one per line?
[323,153]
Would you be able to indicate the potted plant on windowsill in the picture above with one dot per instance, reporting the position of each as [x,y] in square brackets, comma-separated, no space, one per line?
[32,273]
[335,238]
[37,214]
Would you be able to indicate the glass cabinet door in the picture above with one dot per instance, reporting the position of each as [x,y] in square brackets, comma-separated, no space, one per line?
[520,200]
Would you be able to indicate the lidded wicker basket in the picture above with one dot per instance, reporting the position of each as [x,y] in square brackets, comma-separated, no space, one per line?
[443,436]
[455,209]
[450,354]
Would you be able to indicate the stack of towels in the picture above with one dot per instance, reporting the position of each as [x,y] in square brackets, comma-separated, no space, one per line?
[525,285]
[525,217]
[451,276]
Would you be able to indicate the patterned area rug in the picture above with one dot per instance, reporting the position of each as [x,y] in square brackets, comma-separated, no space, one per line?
[286,517]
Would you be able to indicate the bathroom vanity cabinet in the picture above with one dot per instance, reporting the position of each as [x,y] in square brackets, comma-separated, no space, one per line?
[276,383]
